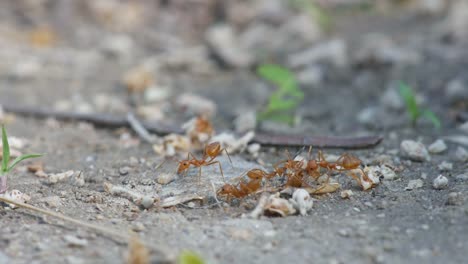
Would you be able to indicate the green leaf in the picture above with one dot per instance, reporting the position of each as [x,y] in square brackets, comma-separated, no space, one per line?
[278,75]
[21,158]
[6,151]
[410,101]
[190,257]
[433,118]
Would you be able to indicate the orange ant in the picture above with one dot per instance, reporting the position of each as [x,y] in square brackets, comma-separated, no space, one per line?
[211,151]
[244,188]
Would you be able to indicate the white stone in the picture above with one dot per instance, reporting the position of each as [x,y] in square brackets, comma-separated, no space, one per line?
[333,51]
[437,147]
[414,184]
[461,154]
[439,183]
[413,150]
[388,173]
[445,166]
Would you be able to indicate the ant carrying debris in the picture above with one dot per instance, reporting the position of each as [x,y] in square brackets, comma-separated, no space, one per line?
[211,152]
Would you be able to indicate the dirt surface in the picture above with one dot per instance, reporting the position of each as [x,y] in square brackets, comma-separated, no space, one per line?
[386,224]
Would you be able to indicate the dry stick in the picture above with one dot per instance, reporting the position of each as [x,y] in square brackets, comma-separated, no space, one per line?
[107,120]
[109,232]
[138,127]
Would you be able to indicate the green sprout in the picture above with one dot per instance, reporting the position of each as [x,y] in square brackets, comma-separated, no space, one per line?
[314,11]
[190,257]
[6,167]
[414,110]
[284,101]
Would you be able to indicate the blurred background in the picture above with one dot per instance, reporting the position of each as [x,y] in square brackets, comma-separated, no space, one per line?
[168,60]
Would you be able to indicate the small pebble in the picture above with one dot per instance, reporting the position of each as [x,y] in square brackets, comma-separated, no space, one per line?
[461,154]
[415,151]
[445,166]
[124,170]
[455,198]
[73,241]
[346,194]
[441,182]
[462,177]
[437,147]
[138,227]
[414,184]
[166,178]
[147,202]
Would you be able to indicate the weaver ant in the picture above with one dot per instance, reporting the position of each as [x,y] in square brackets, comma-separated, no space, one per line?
[244,188]
[211,151]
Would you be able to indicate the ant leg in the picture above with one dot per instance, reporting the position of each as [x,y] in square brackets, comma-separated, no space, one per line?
[220,168]
[199,175]
[225,150]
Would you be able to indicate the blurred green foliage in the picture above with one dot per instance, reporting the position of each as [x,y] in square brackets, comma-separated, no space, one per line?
[190,257]
[284,101]
[413,109]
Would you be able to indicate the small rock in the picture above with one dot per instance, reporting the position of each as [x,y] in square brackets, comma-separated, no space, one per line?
[456,23]
[437,147]
[124,170]
[346,194]
[166,178]
[254,149]
[311,75]
[388,173]
[334,52]
[195,104]
[391,99]
[368,116]
[225,44]
[464,127]
[73,241]
[138,227]
[455,198]
[441,182]
[52,201]
[414,184]
[246,121]
[461,154]
[119,46]
[462,177]
[415,151]
[4,259]
[147,202]
[445,166]
[157,94]
[456,91]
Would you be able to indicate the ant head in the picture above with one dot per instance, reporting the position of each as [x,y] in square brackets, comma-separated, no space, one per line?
[311,166]
[256,174]
[226,189]
[183,166]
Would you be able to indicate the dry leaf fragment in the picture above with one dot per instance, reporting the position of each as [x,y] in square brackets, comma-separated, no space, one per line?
[137,252]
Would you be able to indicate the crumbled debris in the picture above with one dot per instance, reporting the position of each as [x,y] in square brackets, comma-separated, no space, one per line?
[346,194]
[16,196]
[276,206]
[73,241]
[302,201]
[439,183]
[166,178]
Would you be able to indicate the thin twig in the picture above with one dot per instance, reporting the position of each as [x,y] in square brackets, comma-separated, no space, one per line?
[117,236]
[107,120]
[138,127]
